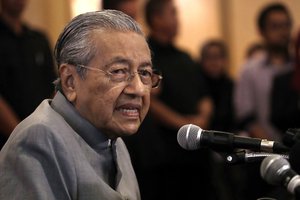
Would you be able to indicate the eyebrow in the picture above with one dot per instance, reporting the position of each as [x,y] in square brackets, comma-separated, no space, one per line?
[146,64]
[123,60]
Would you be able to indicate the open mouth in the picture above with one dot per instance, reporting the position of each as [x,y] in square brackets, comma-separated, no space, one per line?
[132,111]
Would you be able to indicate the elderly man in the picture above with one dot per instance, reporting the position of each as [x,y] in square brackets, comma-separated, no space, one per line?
[69,148]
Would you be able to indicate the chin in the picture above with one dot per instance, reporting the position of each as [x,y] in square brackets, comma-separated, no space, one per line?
[130,130]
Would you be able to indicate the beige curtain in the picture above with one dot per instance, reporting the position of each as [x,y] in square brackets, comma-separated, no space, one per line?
[231,20]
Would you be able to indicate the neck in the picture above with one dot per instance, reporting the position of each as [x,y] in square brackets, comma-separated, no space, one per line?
[161,38]
[14,22]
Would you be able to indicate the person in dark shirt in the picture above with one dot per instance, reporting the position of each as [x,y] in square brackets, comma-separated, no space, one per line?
[285,101]
[181,91]
[27,68]
[213,65]
[180,100]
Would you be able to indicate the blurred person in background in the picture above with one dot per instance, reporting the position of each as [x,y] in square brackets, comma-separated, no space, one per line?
[213,66]
[253,89]
[252,95]
[213,63]
[27,69]
[181,99]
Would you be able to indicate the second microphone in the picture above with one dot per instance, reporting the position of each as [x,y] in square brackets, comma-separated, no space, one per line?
[192,137]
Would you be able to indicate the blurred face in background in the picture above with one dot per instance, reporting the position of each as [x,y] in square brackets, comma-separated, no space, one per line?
[214,61]
[129,7]
[166,21]
[277,30]
[14,8]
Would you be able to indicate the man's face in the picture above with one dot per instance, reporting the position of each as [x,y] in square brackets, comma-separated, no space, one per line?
[277,29]
[116,108]
[129,7]
[167,20]
[214,62]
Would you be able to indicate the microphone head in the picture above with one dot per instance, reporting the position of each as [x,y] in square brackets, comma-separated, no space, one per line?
[188,136]
[272,168]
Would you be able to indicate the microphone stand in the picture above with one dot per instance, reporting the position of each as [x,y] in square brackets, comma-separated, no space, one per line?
[241,157]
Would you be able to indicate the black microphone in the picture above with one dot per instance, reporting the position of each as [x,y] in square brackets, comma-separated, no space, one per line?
[277,171]
[192,137]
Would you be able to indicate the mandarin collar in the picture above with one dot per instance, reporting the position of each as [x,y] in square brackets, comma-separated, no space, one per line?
[94,137]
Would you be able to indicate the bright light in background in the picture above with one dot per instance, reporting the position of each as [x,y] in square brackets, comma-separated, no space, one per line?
[81,6]
[199,21]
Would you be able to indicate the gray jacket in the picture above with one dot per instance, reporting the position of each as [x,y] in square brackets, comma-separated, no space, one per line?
[56,154]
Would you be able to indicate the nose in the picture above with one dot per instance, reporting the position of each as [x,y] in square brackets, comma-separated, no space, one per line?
[136,86]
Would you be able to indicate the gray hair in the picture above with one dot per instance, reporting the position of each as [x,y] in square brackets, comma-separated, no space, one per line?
[75,45]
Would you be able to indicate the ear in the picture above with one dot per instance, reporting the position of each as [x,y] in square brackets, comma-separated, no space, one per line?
[68,78]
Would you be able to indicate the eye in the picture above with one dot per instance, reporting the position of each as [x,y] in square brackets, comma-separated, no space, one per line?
[147,73]
[120,71]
